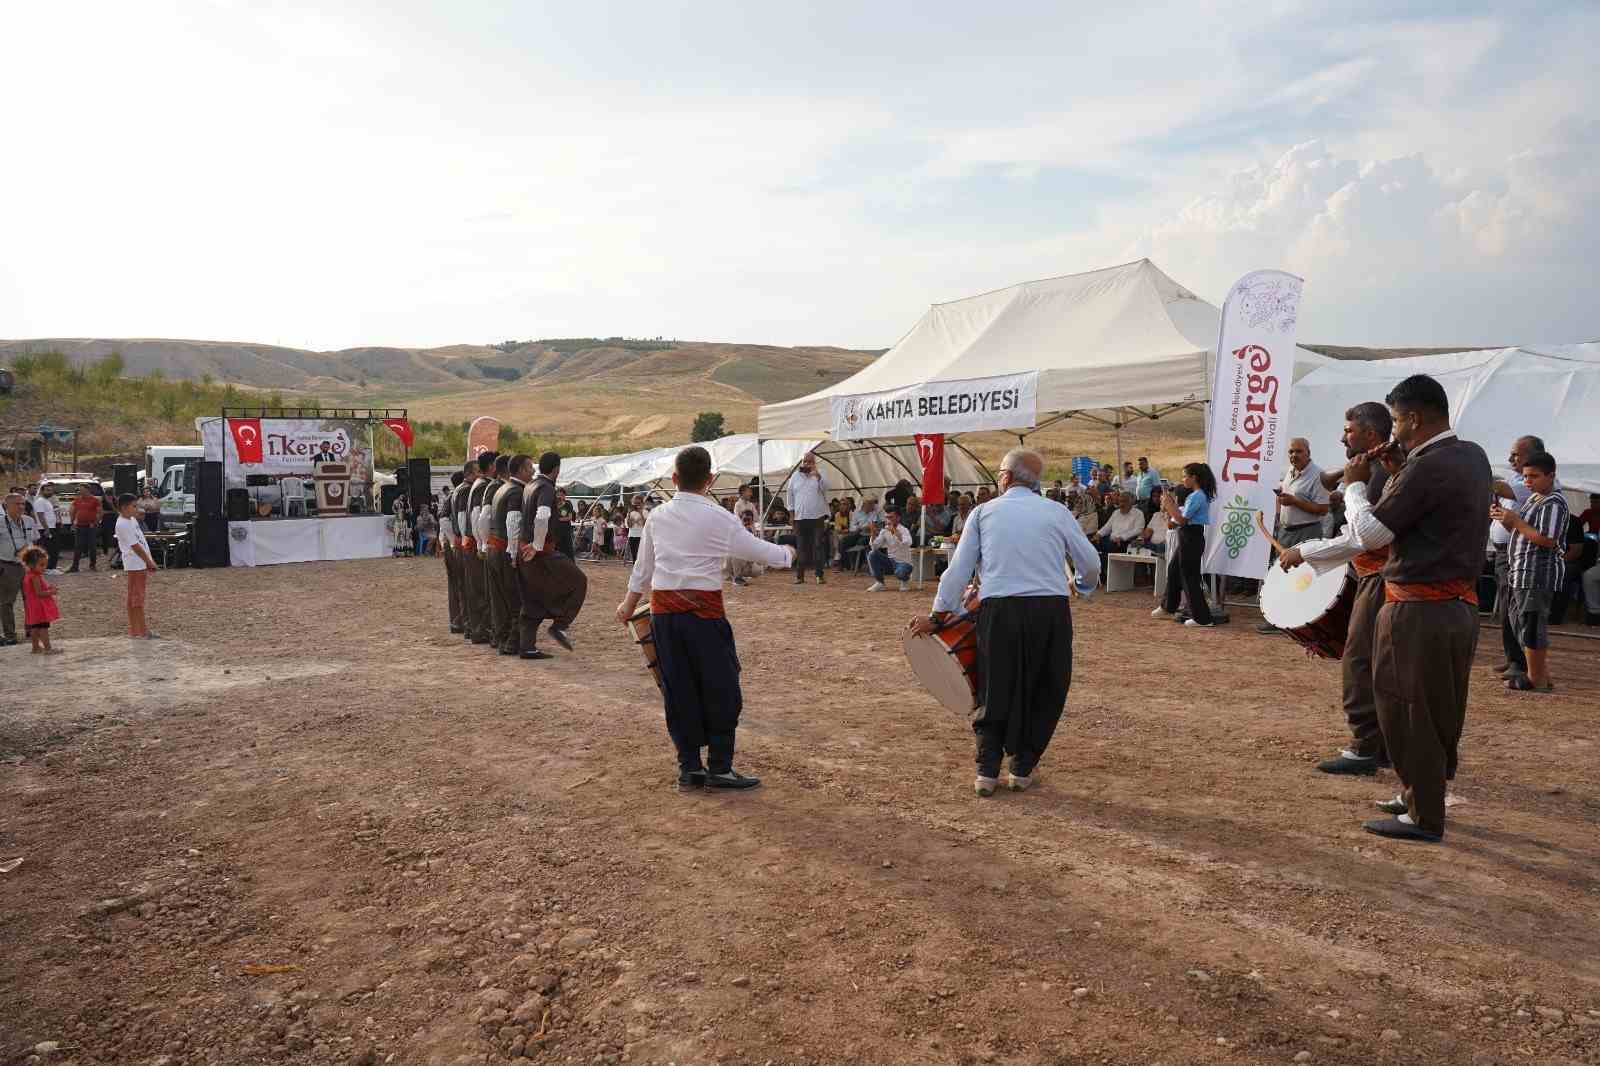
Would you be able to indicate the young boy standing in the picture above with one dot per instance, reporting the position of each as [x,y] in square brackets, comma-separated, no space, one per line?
[136,563]
[680,561]
[1535,572]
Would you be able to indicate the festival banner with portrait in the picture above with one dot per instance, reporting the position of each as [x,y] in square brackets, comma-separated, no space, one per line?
[1248,431]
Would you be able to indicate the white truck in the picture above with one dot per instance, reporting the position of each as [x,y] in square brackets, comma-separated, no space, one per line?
[170,468]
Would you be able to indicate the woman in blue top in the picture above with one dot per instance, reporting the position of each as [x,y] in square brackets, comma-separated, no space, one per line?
[1183,564]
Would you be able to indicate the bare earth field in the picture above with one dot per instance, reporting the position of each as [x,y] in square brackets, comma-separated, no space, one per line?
[459,858]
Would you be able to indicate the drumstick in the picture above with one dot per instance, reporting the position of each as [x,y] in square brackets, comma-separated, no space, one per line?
[1261,524]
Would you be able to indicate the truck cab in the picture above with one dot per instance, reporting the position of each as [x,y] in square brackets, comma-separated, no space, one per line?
[176,491]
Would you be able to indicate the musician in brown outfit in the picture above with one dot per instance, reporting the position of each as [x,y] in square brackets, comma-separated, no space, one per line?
[1366,427]
[553,586]
[1431,518]
[467,570]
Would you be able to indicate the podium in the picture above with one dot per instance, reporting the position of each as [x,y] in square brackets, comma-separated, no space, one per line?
[333,488]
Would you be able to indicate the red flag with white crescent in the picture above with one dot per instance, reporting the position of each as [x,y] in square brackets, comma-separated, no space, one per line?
[930,450]
[246,439]
[401,428]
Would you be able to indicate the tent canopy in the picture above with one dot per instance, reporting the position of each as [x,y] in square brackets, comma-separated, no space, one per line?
[850,469]
[1496,396]
[1127,341]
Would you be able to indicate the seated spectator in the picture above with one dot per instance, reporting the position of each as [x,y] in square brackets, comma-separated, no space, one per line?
[746,503]
[1121,528]
[891,552]
[427,530]
[985,494]
[863,526]
[1056,492]
[940,517]
[1590,517]
[742,570]
[911,519]
[1082,508]
[963,511]
[1154,536]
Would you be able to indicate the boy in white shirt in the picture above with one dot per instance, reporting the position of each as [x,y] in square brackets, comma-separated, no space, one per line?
[680,561]
[136,563]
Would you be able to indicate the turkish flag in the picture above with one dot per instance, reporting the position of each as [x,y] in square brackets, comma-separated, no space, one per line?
[402,429]
[930,449]
[246,439]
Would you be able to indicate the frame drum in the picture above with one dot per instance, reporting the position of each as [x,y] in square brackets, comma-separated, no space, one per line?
[946,662]
[1313,610]
[639,625]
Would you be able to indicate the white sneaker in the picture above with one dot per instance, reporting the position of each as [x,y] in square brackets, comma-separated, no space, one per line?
[1202,625]
[904,587]
[876,586]
[54,571]
[985,786]
[1161,612]
[1019,784]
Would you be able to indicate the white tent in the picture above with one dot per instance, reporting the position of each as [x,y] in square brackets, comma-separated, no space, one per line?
[1496,396]
[737,460]
[1111,345]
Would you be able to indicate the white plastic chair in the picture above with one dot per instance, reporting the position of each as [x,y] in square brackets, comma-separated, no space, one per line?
[294,491]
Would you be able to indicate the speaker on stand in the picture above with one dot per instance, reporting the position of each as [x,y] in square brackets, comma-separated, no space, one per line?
[238,505]
[419,482]
[124,480]
[208,498]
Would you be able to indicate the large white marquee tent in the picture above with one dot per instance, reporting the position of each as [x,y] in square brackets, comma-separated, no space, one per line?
[738,460]
[1112,346]
[1496,396]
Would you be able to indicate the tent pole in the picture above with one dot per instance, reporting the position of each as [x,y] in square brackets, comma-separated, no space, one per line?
[761,484]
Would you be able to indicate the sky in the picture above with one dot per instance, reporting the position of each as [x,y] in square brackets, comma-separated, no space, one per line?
[418,174]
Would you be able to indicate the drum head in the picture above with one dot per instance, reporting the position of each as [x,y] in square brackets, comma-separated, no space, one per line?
[939,672]
[1299,596]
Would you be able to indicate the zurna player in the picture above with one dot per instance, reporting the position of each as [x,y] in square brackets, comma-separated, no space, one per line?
[1017,545]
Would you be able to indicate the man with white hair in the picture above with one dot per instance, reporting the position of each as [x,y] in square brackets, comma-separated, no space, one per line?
[1017,545]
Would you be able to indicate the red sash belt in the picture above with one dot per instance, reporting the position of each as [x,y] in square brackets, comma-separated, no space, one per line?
[1425,591]
[1368,563]
[468,544]
[497,544]
[702,603]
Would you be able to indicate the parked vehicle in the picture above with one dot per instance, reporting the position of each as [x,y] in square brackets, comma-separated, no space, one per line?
[176,491]
[8,380]
[159,457]
[66,487]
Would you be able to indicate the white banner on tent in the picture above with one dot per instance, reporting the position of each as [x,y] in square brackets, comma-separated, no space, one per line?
[1247,444]
[1010,401]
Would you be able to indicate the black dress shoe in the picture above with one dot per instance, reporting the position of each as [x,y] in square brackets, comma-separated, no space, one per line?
[536,654]
[457,629]
[8,642]
[1395,829]
[508,651]
[482,640]
[561,638]
[1396,806]
[1343,763]
[731,779]
[689,780]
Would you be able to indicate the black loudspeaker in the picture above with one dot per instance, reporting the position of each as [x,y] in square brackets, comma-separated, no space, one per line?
[208,490]
[238,505]
[419,481]
[387,494]
[125,479]
[210,541]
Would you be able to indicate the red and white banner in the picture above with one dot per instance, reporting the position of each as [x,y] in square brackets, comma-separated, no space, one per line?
[930,450]
[401,428]
[1247,440]
[246,433]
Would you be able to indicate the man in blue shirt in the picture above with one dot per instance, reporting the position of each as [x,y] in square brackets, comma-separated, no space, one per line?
[1017,546]
[1149,478]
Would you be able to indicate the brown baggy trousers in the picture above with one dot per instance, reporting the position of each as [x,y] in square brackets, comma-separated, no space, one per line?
[505,600]
[476,591]
[1360,702]
[1422,658]
[452,581]
[553,587]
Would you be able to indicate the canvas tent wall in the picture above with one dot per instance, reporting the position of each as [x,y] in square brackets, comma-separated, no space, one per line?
[1112,345]
[1496,396]
[737,460]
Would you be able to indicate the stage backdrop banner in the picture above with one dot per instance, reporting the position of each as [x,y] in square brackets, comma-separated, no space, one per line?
[1247,444]
[1010,401]
[295,446]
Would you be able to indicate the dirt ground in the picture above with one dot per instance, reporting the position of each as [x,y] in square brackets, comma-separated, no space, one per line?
[460,858]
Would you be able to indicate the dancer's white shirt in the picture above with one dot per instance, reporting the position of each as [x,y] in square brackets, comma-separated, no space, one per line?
[686,541]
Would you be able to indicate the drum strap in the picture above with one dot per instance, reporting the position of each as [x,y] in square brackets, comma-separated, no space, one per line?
[702,603]
[1427,591]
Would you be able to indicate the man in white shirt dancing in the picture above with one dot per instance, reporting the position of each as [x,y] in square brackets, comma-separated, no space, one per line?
[680,561]
[808,504]
[1018,546]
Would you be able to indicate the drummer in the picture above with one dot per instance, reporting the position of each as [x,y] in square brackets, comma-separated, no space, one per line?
[1366,426]
[681,554]
[1018,545]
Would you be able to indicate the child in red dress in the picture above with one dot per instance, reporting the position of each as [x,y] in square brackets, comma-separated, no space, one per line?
[38,601]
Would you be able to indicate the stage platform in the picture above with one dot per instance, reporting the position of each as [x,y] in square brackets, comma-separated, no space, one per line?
[265,542]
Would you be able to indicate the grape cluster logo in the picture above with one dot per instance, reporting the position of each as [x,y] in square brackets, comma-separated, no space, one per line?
[1239,525]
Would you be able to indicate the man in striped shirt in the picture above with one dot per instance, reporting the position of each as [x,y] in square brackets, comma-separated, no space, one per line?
[1535,570]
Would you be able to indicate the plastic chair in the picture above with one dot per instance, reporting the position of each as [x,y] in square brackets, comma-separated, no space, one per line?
[294,492]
